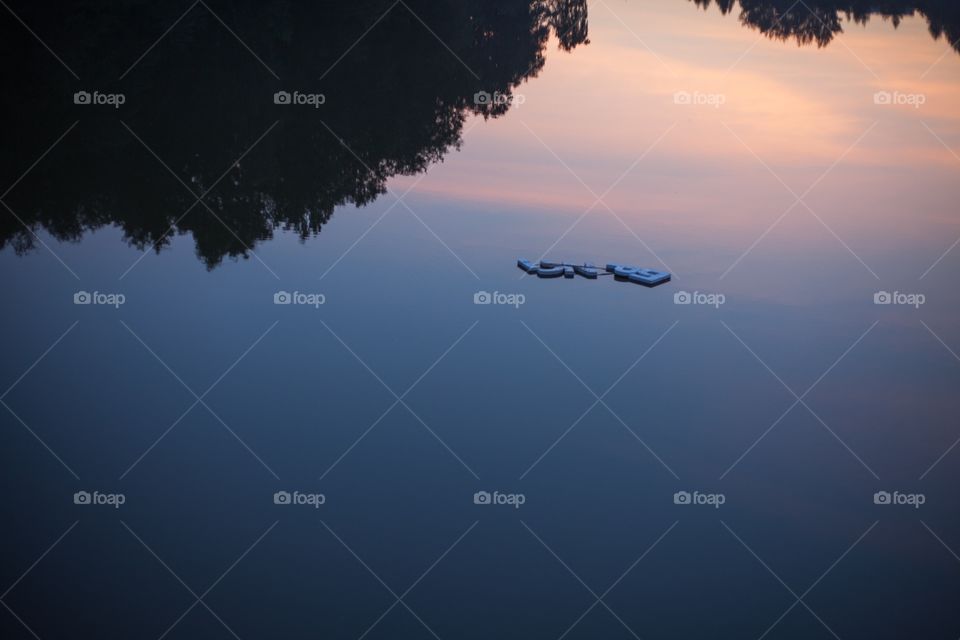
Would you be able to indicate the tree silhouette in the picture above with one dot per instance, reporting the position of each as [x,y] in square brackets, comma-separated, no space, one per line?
[395,103]
[819,21]
[399,81]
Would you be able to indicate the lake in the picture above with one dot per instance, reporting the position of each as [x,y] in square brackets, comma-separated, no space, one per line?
[271,370]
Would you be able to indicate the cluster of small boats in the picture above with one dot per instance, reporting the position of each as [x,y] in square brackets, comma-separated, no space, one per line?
[552,269]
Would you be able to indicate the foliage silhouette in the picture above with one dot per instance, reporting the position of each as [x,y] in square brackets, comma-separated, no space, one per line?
[395,103]
[819,21]
[200,95]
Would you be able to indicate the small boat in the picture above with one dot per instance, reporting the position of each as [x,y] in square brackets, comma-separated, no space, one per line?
[527,266]
[555,269]
[550,272]
[586,270]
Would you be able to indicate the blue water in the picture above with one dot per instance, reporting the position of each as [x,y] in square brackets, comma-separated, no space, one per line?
[399,398]
[498,401]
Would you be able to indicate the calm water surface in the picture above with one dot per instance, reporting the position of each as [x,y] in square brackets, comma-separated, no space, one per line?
[793,162]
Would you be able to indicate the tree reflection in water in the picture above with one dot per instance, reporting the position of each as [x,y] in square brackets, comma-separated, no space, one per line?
[819,21]
[394,103]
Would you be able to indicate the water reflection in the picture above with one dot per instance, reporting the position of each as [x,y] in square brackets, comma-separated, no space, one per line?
[393,104]
[819,21]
